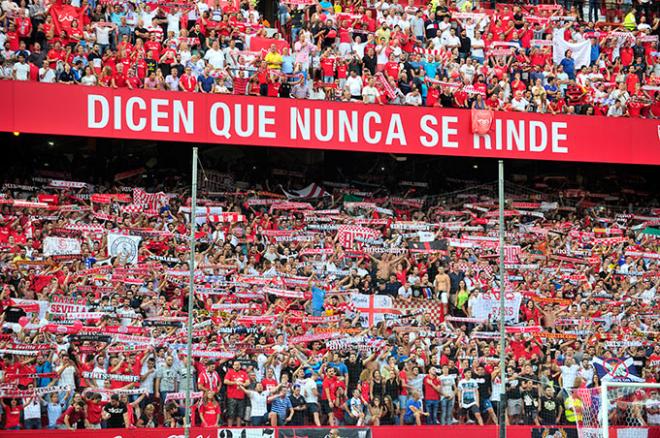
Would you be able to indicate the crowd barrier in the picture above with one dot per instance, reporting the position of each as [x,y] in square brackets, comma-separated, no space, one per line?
[459,431]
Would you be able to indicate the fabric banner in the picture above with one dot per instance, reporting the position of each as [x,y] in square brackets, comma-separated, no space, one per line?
[63,16]
[487,307]
[61,246]
[481,121]
[581,51]
[212,118]
[373,308]
[348,233]
[124,246]
[616,369]
[106,376]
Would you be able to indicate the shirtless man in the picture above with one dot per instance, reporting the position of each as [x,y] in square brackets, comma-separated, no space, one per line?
[385,265]
[442,284]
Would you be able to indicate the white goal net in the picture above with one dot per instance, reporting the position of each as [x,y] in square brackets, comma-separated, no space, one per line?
[616,410]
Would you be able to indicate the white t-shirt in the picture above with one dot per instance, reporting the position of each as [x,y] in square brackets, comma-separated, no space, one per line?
[405,293]
[258,403]
[469,390]
[369,94]
[46,75]
[22,71]
[354,85]
[308,391]
[173,23]
[147,18]
[447,385]
[568,375]
[103,35]
[215,57]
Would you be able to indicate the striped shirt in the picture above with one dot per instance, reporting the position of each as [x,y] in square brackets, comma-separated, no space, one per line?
[281,407]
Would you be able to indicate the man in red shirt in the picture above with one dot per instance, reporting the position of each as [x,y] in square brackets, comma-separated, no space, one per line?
[234,378]
[328,393]
[432,394]
[55,54]
[208,379]
[188,81]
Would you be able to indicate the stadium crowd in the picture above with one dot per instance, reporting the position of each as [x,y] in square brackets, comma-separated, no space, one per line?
[315,307]
[555,59]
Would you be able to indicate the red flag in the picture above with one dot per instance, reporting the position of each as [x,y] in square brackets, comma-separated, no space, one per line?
[63,15]
[481,121]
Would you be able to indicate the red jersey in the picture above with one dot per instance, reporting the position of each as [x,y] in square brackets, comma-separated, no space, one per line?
[429,392]
[342,71]
[188,82]
[12,416]
[328,66]
[94,411]
[392,69]
[239,377]
[432,96]
[210,412]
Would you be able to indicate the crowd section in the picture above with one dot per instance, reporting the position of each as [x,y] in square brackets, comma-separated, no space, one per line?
[329,305]
[551,59]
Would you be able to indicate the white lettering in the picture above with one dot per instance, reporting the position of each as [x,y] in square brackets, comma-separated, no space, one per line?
[117,112]
[329,131]
[556,136]
[395,131]
[157,115]
[348,127]
[130,107]
[430,140]
[476,141]
[366,128]
[498,134]
[265,120]
[226,120]
[539,146]
[92,100]
[515,133]
[300,123]
[185,117]
[238,115]
[447,131]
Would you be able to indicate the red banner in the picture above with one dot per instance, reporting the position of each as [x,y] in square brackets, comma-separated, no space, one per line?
[241,120]
[465,431]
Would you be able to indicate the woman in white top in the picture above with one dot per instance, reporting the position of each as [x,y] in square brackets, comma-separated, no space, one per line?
[89,78]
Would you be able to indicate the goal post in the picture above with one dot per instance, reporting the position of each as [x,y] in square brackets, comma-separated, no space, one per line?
[627,388]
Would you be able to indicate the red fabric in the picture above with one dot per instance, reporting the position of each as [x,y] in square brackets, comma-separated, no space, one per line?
[481,121]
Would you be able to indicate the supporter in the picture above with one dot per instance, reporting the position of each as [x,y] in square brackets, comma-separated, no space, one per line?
[273,283]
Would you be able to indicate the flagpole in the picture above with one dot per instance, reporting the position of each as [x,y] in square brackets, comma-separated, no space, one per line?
[501,419]
[191,286]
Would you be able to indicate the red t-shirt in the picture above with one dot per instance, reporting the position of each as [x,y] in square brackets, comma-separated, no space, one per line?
[94,411]
[13,416]
[328,66]
[269,384]
[342,71]
[239,377]
[210,413]
[432,96]
[392,69]
[188,82]
[429,392]
[404,381]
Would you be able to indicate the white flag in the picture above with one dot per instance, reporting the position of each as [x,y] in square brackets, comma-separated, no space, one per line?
[123,246]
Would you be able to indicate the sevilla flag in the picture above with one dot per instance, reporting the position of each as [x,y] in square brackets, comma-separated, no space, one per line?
[481,121]
[63,15]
